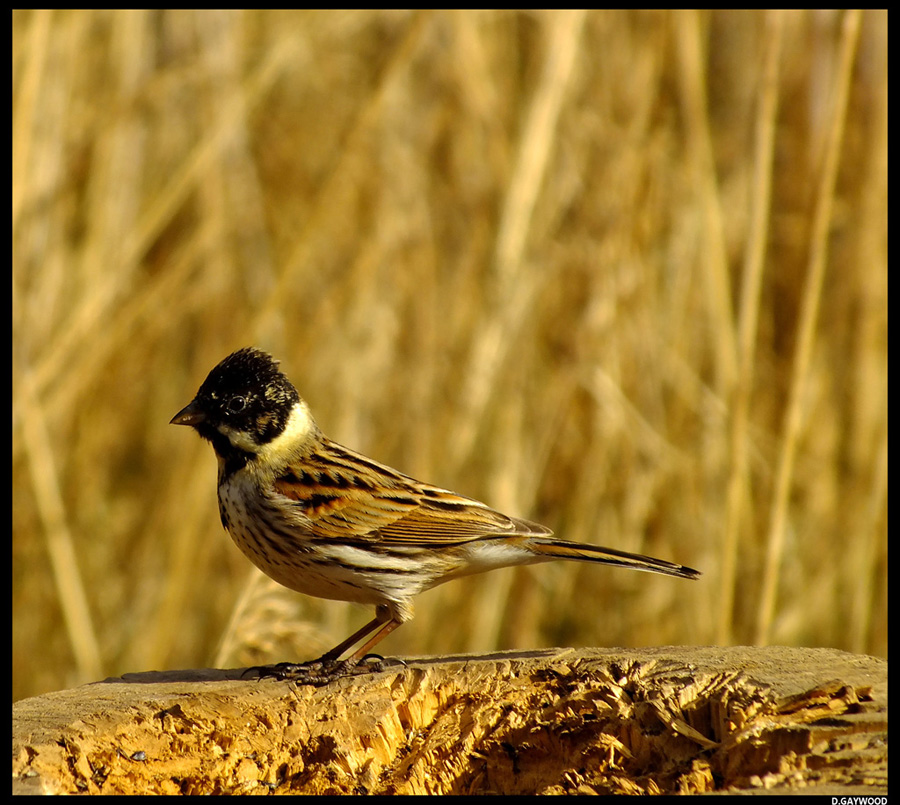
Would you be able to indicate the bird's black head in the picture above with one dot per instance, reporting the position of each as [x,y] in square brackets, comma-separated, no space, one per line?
[244,403]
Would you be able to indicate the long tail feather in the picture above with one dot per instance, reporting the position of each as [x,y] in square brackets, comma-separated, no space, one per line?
[560,549]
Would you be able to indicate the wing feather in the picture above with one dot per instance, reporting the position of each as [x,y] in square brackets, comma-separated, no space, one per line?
[344,496]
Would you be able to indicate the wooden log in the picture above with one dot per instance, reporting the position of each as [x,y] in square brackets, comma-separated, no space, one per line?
[670,720]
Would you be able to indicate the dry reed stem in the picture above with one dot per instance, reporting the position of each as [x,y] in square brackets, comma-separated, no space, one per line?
[748,323]
[809,310]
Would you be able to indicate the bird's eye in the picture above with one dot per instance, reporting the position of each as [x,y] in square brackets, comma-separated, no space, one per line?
[237,404]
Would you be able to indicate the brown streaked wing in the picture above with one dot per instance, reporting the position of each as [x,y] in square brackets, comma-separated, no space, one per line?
[336,507]
[345,498]
[429,526]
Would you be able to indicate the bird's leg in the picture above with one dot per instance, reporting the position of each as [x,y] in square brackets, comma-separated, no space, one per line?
[353,661]
[328,667]
[330,656]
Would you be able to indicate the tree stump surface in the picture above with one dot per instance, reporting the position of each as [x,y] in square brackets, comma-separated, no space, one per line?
[669,720]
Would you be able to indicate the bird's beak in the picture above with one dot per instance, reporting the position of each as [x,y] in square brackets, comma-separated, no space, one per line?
[189,415]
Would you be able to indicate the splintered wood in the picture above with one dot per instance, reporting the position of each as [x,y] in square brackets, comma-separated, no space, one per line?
[642,721]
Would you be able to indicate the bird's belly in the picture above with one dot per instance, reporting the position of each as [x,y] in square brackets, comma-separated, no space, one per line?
[313,565]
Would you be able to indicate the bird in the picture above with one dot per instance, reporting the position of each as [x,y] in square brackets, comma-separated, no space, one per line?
[326,521]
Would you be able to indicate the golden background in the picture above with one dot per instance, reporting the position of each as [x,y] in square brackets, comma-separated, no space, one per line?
[624,273]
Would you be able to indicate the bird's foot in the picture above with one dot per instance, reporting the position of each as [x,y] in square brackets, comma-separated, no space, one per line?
[318,672]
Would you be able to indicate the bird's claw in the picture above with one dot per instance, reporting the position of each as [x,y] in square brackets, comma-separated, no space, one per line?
[317,672]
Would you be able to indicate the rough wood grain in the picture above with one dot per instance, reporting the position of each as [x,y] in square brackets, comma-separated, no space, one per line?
[679,720]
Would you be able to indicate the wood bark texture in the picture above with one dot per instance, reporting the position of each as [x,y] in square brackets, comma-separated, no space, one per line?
[656,720]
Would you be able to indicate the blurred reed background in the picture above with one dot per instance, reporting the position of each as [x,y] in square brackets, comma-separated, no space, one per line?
[624,273]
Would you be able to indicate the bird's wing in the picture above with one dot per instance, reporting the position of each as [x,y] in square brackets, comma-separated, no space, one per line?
[343,495]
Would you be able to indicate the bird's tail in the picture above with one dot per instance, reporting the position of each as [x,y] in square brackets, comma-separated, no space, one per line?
[560,549]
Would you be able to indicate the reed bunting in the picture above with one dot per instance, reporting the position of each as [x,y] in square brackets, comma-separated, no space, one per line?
[326,521]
